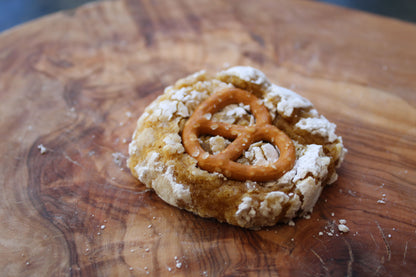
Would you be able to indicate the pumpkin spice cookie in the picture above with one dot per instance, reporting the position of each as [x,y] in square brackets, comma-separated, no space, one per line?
[235,147]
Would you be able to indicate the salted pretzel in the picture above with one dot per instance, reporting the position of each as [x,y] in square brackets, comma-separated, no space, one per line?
[242,137]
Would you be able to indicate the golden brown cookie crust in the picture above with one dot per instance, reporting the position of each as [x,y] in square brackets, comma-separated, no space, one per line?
[159,160]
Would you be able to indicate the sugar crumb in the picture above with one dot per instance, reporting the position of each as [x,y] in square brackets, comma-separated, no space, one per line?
[42,149]
[118,158]
[178,263]
[343,228]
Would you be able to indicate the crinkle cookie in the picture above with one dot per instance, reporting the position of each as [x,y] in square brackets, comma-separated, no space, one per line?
[190,169]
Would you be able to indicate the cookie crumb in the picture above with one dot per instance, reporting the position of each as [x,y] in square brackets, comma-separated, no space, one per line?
[118,158]
[42,149]
[342,221]
[343,228]
[178,263]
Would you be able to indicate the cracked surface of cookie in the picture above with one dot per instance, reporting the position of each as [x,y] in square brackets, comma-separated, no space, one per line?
[159,160]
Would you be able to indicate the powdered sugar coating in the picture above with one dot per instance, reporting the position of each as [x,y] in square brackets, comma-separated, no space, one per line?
[248,74]
[318,126]
[166,185]
[287,101]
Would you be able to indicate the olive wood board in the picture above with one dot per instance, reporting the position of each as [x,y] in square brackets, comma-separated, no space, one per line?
[73,84]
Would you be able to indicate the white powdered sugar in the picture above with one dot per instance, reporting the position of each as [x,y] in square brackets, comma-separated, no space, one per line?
[343,228]
[247,74]
[270,152]
[145,170]
[271,206]
[166,109]
[236,112]
[287,101]
[312,161]
[146,137]
[296,203]
[261,153]
[318,126]
[173,144]
[233,113]
[245,210]
[217,144]
[161,178]
[310,191]
[188,96]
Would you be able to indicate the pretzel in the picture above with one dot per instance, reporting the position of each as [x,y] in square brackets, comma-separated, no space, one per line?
[242,136]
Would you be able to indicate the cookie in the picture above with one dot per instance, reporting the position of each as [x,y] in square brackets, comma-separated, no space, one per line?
[235,147]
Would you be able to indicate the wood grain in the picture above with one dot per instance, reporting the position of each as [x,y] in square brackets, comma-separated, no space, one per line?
[75,82]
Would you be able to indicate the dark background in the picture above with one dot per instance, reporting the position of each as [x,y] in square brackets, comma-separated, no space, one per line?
[15,12]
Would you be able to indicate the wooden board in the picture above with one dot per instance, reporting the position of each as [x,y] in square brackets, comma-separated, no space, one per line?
[75,83]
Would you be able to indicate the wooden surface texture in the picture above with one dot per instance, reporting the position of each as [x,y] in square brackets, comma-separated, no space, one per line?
[73,84]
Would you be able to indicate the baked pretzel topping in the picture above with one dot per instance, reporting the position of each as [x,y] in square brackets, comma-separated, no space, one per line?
[242,137]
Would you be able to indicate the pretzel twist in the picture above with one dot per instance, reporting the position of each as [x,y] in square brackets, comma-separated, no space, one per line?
[242,137]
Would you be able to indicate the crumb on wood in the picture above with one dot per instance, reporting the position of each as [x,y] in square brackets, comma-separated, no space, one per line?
[42,149]
[343,228]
